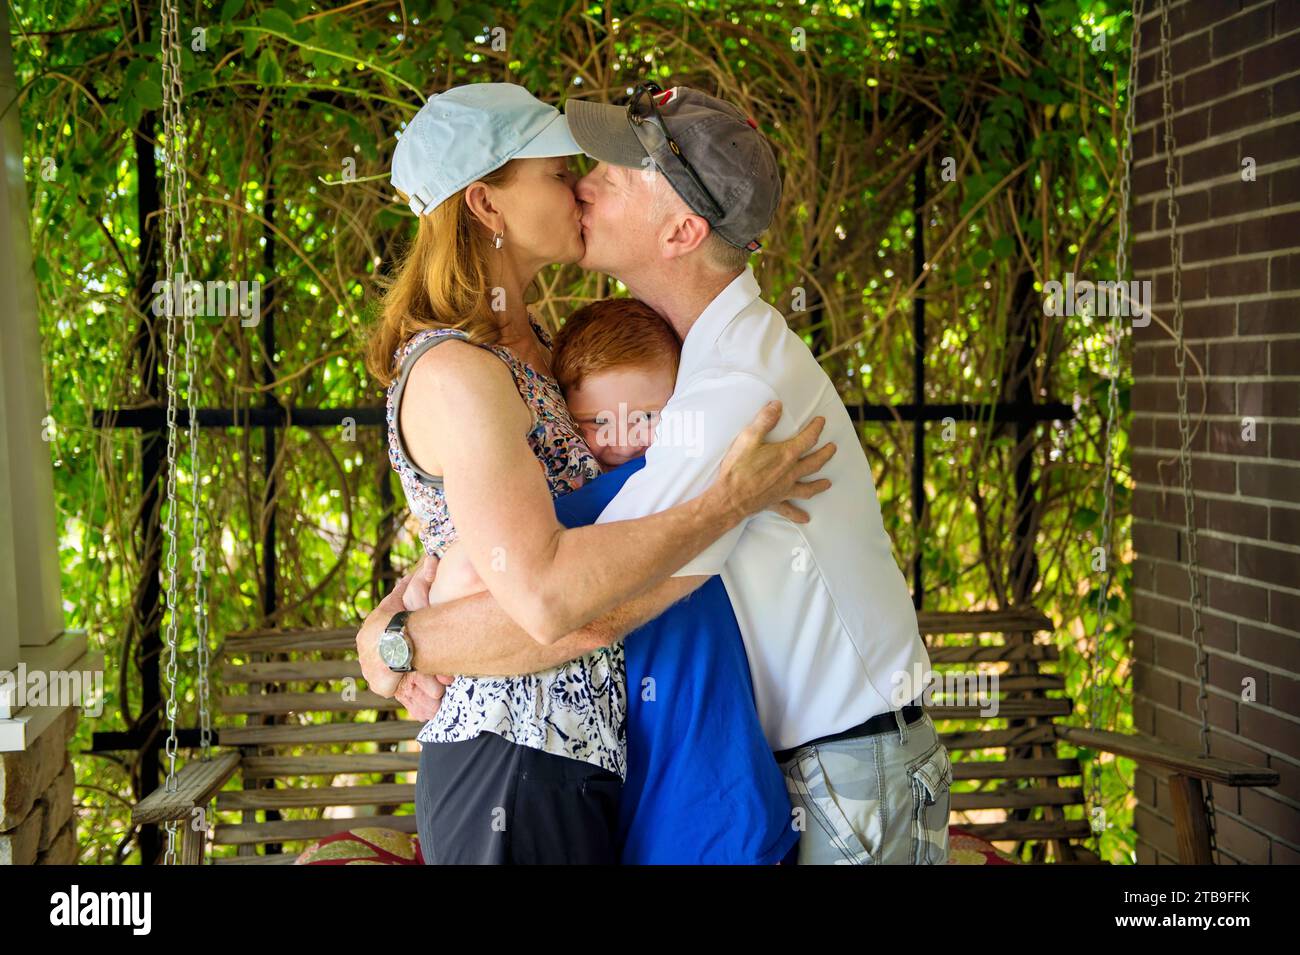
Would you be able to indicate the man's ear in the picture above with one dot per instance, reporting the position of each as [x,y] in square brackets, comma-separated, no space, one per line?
[684,234]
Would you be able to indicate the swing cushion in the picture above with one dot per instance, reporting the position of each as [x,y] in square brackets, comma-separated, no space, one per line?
[966,849]
[365,846]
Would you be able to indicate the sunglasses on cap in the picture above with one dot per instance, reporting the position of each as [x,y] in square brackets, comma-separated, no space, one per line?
[643,108]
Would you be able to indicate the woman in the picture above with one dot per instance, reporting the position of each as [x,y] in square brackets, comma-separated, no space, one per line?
[522,769]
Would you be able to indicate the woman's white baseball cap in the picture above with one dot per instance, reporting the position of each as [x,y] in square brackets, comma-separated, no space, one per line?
[469,131]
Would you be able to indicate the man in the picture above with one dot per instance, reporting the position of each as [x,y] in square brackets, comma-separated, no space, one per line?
[824,611]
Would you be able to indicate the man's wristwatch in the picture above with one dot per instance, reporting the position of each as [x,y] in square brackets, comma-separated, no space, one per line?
[395,647]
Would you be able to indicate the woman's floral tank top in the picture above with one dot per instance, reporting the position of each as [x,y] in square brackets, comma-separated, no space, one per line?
[579,709]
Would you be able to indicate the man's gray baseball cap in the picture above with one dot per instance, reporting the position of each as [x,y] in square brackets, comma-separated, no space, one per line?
[729,154]
[468,131]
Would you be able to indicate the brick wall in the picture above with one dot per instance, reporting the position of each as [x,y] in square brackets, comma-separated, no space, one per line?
[1236,95]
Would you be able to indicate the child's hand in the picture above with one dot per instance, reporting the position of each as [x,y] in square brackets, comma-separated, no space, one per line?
[421,694]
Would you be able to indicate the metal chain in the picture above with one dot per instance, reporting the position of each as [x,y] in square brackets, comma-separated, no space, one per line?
[1097,809]
[174,117]
[176,264]
[170,226]
[1184,422]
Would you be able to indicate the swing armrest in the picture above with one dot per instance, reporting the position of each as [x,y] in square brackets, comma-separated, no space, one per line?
[1186,772]
[1176,759]
[196,784]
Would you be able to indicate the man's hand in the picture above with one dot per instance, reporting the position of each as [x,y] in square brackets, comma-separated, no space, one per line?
[381,679]
[420,693]
[758,475]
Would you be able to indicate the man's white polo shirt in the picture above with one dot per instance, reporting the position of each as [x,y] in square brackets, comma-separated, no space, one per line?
[825,613]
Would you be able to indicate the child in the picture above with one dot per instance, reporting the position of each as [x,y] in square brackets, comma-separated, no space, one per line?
[616,362]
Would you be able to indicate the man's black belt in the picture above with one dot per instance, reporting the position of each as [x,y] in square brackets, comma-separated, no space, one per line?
[880,723]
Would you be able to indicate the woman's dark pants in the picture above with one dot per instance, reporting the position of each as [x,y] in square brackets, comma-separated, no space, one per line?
[487,801]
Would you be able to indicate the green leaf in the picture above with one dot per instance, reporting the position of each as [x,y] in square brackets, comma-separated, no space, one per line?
[148,88]
[329,34]
[131,110]
[268,68]
[277,20]
[230,9]
[467,24]
[134,71]
[1084,518]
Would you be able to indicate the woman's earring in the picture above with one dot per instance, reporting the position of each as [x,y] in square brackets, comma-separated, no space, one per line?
[496,239]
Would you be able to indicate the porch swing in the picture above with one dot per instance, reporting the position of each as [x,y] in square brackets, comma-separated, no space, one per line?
[1027,783]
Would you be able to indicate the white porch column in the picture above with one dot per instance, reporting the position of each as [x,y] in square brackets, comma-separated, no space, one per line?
[31,612]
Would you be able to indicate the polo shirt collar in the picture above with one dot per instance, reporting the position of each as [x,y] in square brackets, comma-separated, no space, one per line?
[717,315]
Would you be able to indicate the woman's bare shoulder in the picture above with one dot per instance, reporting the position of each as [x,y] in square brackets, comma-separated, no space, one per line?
[462,375]
[455,360]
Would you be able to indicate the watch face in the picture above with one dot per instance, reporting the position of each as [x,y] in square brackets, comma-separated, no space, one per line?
[393,649]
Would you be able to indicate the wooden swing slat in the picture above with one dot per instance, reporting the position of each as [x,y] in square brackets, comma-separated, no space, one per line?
[264,642]
[1008,682]
[1015,769]
[274,767]
[329,701]
[1025,797]
[1023,682]
[1024,620]
[315,634]
[301,830]
[379,794]
[289,671]
[1007,710]
[381,731]
[997,739]
[1029,829]
[997,653]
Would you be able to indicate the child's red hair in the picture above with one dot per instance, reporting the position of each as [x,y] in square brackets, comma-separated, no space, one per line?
[612,333]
